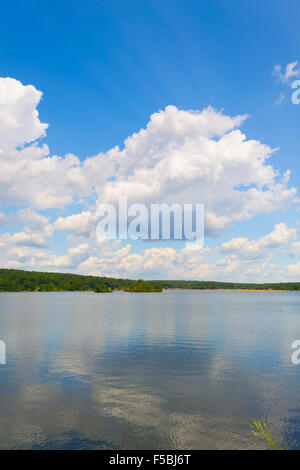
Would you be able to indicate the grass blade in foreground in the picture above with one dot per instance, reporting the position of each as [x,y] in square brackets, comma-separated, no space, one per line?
[261,431]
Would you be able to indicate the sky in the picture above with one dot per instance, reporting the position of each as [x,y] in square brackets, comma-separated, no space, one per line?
[159,101]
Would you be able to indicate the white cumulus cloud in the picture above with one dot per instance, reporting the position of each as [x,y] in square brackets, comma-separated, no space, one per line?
[199,157]
[264,246]
[181,156]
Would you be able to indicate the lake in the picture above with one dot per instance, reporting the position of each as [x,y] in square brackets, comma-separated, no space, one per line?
[176,370]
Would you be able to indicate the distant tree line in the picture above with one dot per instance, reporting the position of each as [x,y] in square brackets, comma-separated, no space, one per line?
[135,286]
[286,286]
[14,280]
[142,286]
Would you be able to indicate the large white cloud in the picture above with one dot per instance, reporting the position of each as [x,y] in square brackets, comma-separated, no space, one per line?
[19,118]
[263,247]
[152,263]
[199,157]
[28,174]
[83,223]
[181,156]
[36,230]
[244,259]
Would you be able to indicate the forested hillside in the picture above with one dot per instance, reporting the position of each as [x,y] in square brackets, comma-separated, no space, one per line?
[288,286]
[13,280]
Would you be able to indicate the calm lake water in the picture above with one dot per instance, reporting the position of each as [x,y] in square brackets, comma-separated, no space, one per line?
[177,370]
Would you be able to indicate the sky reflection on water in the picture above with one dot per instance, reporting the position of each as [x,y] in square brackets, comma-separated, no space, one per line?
[187,370]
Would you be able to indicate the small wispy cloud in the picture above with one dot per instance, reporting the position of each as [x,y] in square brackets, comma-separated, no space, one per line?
[288,73]
[280,99]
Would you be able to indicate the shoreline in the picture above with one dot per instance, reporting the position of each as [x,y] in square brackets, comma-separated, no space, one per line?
[231,290]
[146,292]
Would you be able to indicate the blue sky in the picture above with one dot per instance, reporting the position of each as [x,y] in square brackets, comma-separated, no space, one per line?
[106,66]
